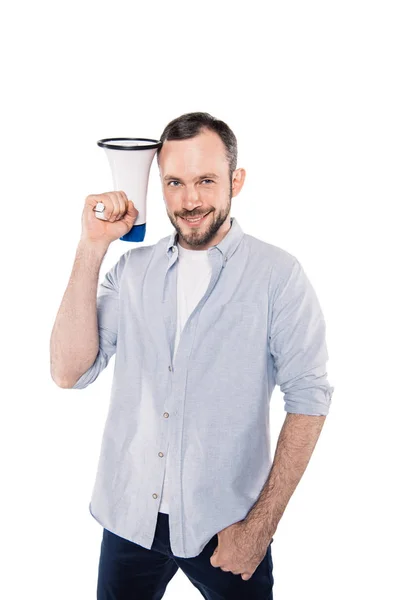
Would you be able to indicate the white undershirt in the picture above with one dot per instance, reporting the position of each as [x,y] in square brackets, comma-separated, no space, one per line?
[193,277]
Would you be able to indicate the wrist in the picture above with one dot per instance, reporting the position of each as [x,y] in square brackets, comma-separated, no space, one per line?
[258,527]
[96,246]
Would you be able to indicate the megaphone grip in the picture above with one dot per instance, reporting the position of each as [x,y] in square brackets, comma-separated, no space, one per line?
[99,211]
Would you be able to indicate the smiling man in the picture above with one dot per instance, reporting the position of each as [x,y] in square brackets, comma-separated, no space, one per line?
[206,183]
[204,324]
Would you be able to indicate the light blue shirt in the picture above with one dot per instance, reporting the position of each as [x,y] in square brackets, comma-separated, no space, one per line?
[258,324]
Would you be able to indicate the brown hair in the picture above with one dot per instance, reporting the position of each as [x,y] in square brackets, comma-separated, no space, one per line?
[190,124]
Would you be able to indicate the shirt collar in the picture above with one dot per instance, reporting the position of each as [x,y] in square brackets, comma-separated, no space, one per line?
[226,246]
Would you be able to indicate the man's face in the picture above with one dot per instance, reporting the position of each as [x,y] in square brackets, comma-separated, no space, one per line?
[195,182]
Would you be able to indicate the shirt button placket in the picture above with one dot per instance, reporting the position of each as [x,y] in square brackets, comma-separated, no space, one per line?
[165,415]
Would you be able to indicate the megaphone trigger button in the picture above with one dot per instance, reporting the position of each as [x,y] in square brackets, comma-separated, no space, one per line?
[99,207]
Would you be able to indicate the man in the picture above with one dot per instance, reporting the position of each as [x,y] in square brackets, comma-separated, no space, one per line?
[204,324]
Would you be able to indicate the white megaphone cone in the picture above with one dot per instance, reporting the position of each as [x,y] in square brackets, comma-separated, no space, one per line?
[130,161]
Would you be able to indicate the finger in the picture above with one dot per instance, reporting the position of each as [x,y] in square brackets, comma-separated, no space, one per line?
[119,206]
[113,207]
[124,198]
[93,199]
[122,204]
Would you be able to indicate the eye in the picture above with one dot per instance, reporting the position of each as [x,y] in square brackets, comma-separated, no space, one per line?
[208,180]
[173,181]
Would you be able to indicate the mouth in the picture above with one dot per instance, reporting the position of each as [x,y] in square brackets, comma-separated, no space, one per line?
[195,222]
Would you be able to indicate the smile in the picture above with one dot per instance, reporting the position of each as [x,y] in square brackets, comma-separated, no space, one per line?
[192,222]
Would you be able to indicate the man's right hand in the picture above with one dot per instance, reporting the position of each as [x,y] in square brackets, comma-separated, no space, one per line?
[119,212]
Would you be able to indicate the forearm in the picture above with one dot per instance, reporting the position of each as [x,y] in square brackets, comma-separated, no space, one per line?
[296,442]
[74,342]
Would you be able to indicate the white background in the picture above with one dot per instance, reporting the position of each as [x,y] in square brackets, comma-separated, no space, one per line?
[311,90]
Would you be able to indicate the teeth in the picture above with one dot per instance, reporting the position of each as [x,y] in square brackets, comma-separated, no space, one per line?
[195,220]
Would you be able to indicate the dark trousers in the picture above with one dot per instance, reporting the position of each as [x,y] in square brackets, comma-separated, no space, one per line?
[127,571]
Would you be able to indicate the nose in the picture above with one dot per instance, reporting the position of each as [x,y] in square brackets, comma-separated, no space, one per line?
[191,198]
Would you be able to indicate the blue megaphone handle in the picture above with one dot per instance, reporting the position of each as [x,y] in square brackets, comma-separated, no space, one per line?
[136,234]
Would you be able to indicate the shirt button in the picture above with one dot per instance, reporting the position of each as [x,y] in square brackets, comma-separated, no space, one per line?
[169,368]
[166,415]
[173,248]
[160,454]
[154,495]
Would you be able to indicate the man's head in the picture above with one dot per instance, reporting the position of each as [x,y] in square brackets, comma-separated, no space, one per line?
[197,164]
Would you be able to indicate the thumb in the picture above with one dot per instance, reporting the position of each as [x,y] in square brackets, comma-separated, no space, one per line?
[214,557]
[215,552]
[216,547]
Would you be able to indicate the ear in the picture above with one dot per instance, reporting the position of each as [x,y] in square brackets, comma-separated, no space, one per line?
[238,177]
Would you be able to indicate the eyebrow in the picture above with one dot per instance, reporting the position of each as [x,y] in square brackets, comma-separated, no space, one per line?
[172,177]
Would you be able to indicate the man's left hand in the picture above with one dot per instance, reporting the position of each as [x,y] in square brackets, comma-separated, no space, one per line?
[241,548]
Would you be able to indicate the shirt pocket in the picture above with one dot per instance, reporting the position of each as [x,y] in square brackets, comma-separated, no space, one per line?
[233,322]
[229,350]
[240,312]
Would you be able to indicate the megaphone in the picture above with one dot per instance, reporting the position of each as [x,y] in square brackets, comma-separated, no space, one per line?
[130,161]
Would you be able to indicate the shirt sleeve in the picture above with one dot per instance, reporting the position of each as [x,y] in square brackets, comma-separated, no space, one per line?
[107,320]
[298,345]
